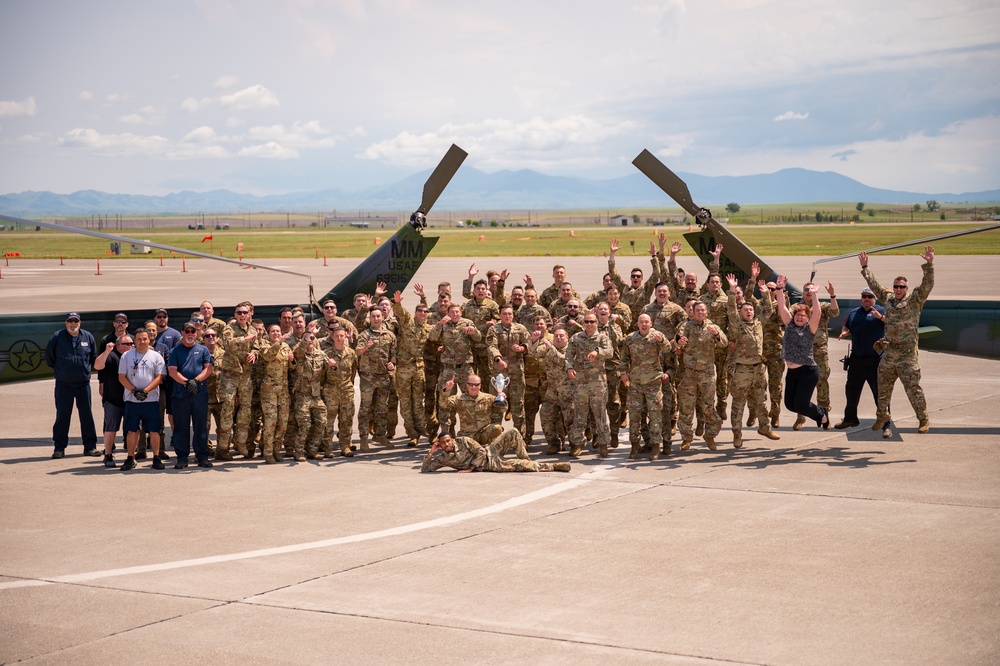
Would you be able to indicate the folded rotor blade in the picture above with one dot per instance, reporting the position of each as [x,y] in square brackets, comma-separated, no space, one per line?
[441,177]
[666,180]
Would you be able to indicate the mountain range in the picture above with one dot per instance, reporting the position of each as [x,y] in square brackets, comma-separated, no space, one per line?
[472,189]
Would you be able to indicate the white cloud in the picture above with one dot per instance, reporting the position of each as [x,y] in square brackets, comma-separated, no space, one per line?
[115,145]
[254,97]
[300,135]
[674,146]
[791,115]
[233,121]
[191,104]
[114,98]
[86,96]
[270,150]
[224,82]
[203,134]
[25,107]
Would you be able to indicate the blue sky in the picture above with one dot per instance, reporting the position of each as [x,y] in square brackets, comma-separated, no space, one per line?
[270,97]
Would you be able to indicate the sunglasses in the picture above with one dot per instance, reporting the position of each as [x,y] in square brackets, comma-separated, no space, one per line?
[471,384]
[867,296]
[572,307]
[899,286]
[197,320]
[72,321]
[242,312]
[127,344]
[119,321]
[589,321]
[210,335]
[329,307]
[190,330]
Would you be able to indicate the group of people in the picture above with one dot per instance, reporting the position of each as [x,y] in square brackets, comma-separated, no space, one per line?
[657,354]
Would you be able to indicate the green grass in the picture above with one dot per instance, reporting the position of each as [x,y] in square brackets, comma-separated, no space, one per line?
[785,240]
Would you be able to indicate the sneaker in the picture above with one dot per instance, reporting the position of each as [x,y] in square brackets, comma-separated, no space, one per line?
[180,464]
[205,463]
[846,424]
[158,463]
[128,464]
[93,453]
[109,461]
[886,432]
[58,453]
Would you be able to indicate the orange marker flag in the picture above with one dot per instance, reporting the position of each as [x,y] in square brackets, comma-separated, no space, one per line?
[208,237]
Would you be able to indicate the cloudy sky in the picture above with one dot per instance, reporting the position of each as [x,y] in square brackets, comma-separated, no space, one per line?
[268,97]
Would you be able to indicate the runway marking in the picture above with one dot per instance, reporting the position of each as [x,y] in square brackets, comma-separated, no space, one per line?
[514,502]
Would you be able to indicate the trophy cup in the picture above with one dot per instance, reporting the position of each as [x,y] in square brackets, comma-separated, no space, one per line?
[500,383]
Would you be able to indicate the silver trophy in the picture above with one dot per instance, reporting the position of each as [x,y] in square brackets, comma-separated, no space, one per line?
[500,383]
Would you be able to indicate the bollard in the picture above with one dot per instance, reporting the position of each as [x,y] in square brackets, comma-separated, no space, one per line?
[317,253]
[98,267]
[184,266]
[324,257]
[161,258]
[60,259]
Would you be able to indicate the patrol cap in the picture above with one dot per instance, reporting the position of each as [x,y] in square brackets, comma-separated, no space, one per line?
[867,292]
[72,315]
[163,310]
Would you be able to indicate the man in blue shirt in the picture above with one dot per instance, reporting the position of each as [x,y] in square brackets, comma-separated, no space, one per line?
[865,326]
[189,365]
[71,353]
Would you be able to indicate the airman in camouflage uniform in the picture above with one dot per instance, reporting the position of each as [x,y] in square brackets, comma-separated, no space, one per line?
[551,293]
[274,397]
[329,318]
[586,355]
[561,306]
[376,365]
[612,369]
[644,371]
[746,339]
[478,414]
[774,332]
[697,341]
[410,382]
[572,319]
[557,406]
[902,323]
[338,390]
[456,335]
[483,312]
[600,296]
[236,385]
[495,283]
[716,300]
[526,314]
[636,294]
[432,362]
[506,342]
[666,316]
[293,340]
[467,455]
[534,379]
[256,378]
[310,412]
[821,349]
[211,338]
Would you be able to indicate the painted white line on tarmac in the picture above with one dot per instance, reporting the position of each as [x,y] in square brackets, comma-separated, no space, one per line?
[514,502]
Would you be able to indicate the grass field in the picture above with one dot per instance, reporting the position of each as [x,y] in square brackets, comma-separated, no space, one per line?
[786,240]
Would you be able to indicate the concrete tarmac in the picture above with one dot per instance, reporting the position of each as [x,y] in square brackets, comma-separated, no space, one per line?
[825,547]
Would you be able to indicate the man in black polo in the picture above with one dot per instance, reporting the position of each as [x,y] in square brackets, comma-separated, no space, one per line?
[865,325]
[71,353]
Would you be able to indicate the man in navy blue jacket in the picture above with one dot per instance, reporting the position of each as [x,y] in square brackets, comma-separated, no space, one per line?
[71,353]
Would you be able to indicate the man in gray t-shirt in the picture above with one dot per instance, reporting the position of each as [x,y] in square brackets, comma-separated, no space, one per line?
[140,371]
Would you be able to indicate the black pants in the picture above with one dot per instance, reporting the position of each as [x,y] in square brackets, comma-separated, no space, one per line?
[191,417]
[799,386]
[66,395]
[861,370]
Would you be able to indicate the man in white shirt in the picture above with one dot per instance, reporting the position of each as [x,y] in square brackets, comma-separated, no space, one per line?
[141,371]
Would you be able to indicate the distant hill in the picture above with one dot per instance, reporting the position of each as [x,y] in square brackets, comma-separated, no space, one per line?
[473,189]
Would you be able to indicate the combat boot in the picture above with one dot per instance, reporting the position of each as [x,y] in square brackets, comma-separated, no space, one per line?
[925,425]
[710,441]
[364,445]
[385,441]
[667,448]
[881,423]
[799,422]
[575,451]
[737,440]
[767,432]
[553,449]
[685,445]
[699,429]
[316,455]
[412,442]
[602,451]
[241,449]
[346,452]
[775,421]
[560,467]
[269,458]
[654,453]
[751,420]
[634,453]
[222,454]
[300,457]
[251,449]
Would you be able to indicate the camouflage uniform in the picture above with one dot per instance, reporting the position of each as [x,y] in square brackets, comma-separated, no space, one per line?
[666,319]
[261,344]
[717,314]
[635,299]
[338,396]
[310,412]
[774,332]
[274,398]
[621,314]
[376,382]
[551,294]
[748,381]
[678,293]
[612,377]
[236,386]
[900,359]
[478,418]
[572,324]
[292,427]
[558,309]
[432,370]
[534,389]
[346,324]
[697,387]
[590,389]
[214,397]
[557,406]
[499,339]
[821,353]
[644,359]
[482,315]
[526,314]
[470,454]
[410,381]
[456,360]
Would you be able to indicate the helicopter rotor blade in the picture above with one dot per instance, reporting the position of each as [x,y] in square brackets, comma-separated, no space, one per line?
[441,176]
[666,180]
